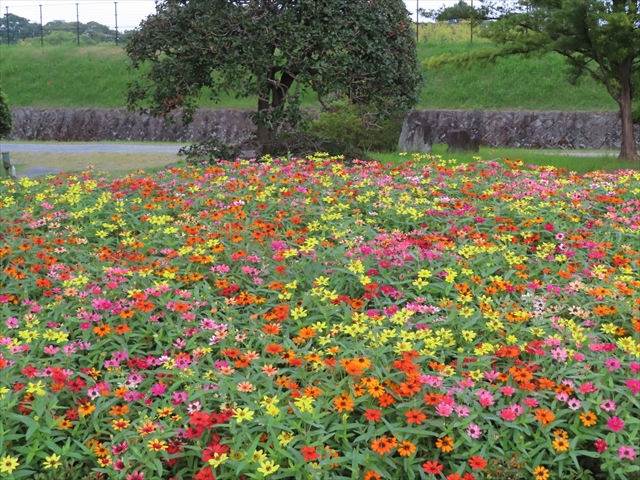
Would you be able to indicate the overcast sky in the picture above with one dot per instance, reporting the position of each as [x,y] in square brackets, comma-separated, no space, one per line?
[130,12]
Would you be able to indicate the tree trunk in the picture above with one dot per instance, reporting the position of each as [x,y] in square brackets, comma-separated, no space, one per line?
[265,135]
[628,149]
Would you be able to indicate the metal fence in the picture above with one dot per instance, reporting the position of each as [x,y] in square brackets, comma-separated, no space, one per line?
[92,22]
[83,23]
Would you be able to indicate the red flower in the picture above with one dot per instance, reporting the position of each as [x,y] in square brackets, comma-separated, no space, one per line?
[432,467]
[477,462]
[373,415]
[309,454]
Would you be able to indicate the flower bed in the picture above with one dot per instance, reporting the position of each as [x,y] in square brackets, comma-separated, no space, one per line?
[305,319]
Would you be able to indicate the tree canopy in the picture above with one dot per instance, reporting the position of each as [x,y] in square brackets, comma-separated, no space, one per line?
[6,121]
[599,38]
[274,50]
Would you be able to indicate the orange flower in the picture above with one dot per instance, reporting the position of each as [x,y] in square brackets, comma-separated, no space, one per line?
[544,416]
[343,402]
[86,409]
[415,416]
[588,418]
[384,445]
[118,411]
[406,448]
[122,329]
[561,444]
[102,330]
[445,444]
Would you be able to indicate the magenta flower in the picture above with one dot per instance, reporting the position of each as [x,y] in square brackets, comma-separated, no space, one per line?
[626,452]
[600,445]
[616,424]
[634,385]
[507,414]
[613,364]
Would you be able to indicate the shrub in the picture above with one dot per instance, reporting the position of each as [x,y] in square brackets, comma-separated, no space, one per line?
[357,125]
[209,151]
[302,144]
[6,121]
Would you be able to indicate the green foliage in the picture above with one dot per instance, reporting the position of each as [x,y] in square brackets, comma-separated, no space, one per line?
[274,51]
[303,144]
[57,32]
[358,125]
[595,37]
[446,32]
[209,151]
[460,11]
[6,120]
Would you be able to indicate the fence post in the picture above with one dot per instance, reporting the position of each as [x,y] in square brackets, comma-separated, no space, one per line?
[41,30]
[116,5]
[417,22]
[471,24]
[78,24]
[8,31]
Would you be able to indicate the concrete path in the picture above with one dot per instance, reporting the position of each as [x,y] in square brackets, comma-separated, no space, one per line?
[80,148]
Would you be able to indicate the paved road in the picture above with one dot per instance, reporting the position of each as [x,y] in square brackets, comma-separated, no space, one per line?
[87,148]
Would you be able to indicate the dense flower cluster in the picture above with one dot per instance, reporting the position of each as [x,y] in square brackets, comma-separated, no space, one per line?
[305,319]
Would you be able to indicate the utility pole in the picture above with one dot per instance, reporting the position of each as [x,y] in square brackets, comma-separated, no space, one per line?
[116,5]
[417,17]
[8,31]
[41,29]
[77,24]
[471,24]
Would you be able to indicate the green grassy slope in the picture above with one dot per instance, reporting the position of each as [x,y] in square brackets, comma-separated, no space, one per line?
[70,76]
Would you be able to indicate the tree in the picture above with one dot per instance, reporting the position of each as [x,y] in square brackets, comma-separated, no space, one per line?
[6,121]
[20,28]
[599,38]
[274,50]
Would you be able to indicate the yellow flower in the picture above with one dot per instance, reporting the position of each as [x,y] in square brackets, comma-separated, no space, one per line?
[242,414]
[268,467]
[304,404]
[52,461]
[36,388]
[218,459]
[298,312]
[285,438]
[157,445]
[273,410]
[8,464]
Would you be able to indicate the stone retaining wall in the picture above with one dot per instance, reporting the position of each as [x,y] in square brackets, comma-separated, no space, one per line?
[529,129]
[496,128]
[95,124]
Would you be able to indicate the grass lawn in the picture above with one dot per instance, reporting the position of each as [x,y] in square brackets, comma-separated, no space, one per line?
[71,76]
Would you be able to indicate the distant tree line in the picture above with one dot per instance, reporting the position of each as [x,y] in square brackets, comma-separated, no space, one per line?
[15,29]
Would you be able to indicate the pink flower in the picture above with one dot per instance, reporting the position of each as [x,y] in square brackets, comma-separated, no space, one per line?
[507,414]
[600,445]
[612,364]
[626,452]
[508,391]
[444,410]
[158,389]
[634,385]
[616,424]
[474,431]
[608,405]
[574,404]
[50,349]
[530,402]
[587,387]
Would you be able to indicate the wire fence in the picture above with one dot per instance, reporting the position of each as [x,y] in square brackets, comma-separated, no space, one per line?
[95,22]
[83,23]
